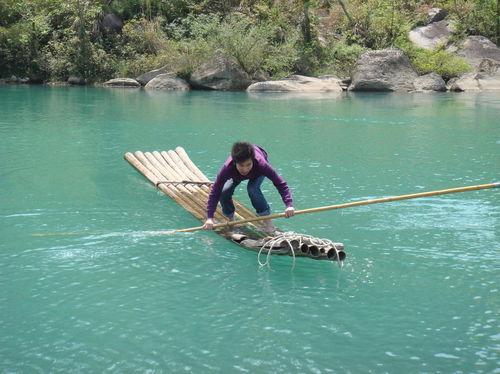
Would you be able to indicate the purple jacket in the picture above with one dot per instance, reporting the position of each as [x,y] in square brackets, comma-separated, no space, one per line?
[260,167]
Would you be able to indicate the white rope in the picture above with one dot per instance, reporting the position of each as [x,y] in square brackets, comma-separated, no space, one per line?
[290,236]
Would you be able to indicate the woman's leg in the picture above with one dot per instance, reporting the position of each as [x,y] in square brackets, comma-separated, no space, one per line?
[257,197]
[226,198]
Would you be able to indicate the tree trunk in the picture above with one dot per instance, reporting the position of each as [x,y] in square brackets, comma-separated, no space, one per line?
[306,23]
[498,22]
[344,8]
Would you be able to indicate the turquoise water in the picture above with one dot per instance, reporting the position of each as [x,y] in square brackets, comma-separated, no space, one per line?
[87,285]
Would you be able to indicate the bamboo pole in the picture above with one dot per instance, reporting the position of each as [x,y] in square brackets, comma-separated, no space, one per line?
[354,204]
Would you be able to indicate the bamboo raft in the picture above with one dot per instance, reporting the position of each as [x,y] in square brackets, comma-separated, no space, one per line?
[174,174]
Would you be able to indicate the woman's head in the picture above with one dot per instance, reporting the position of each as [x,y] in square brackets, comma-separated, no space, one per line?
[243,155]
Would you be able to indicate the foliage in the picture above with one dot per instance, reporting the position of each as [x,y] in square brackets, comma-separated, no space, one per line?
[341,58]
[143,36]
[53,39]
[438,60]
[249,42]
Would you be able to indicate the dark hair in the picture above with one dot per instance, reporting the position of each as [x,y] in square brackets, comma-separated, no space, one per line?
[242,151]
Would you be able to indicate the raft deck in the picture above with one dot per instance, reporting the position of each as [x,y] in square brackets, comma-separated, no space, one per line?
[173,173]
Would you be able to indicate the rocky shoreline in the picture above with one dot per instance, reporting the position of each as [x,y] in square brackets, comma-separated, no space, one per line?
[376,70]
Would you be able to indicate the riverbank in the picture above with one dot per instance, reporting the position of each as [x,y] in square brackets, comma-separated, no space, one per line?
[253,42]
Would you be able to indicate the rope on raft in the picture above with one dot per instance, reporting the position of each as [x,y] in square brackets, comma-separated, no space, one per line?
[290,236]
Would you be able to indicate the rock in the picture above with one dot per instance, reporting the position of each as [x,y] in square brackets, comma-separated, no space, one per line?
[220,73]
[429,82]
[122,82]
[111,23]
[487,65]
[489,82]
[12,79]
[436,15]
[146,77]
[77,81]
[167,82]
[299,83]
[57,84]
[23,80]
[383,70]
[432,35]
[475,48]
[474,82]
[450,83]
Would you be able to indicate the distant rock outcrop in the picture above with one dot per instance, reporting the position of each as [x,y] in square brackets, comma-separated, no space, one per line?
[220,73]
[167,82]
[476,48]
[298,83]
[77,81]
[430,82]
[122,82]
[383,70]
[432,35]
[474,82]
[146,77]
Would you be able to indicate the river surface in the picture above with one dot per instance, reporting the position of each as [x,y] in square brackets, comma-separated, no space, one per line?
[88,285]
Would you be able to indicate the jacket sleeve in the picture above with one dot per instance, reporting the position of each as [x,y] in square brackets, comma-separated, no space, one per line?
[280,184]
[216,190]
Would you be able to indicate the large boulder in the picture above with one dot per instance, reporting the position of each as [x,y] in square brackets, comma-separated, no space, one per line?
[146,77]
[220,73]
[298,83]
[476,48]
[383,70]
[432,35]
[474,82]
[167,82]
[430,82]
[122,82]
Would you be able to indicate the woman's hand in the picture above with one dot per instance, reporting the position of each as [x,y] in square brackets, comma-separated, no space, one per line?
[289,212]
[209,224]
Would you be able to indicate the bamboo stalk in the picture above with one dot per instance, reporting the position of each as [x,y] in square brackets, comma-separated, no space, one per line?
[354,204]
[193,191]
[168,190]
[184,191]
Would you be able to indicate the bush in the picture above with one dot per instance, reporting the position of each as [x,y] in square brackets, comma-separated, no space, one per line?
[61,59]
[425,61]
[341,58]
[143,36]
[250,43]
[444,63]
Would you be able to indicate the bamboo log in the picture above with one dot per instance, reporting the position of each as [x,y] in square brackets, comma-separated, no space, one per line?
[170,191]
[184,191]
[190,164]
